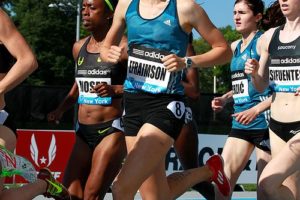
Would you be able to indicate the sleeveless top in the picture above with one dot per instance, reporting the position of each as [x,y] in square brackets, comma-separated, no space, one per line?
[149,40]
[284,68]
[6,59]
[244,93]
[92,71]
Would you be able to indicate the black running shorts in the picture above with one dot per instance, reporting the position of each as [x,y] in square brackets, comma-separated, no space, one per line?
[93,134]
[259,138]
[285,130]
[166,112]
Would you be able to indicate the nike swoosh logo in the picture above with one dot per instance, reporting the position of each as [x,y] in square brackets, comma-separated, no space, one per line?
[57,186]
[103,131]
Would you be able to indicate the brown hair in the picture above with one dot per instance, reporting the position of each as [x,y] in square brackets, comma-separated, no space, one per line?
[273,16]
[257,6]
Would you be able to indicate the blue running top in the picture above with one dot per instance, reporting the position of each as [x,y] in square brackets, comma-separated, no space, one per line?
[244,93]
[149,40]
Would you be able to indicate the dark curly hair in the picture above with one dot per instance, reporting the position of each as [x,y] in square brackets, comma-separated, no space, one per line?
[273,16]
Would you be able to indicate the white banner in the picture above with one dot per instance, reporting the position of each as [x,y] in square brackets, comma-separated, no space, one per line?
[209,145]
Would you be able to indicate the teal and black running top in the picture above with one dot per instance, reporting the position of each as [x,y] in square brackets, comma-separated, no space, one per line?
[149,40]
[244,93]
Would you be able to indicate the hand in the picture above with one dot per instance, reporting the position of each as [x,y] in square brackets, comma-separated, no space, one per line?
[173,63]
[103,90]
[54,116]
[251,66]
[297,93]
[112,54]
[217,104]
[246,116]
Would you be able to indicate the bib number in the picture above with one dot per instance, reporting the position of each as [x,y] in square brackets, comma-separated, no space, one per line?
[177,108]
[188,115]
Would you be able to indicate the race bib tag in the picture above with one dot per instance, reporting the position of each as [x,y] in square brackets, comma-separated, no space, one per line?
[146,71]
[3,116]
[240,87]
[177,108]
[118,124]
[284,73]
[188,115]
[86,97]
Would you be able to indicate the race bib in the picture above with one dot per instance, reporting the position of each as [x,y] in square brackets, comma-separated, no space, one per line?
[118,124]
[146,71]
[3,116]
[86,97]
[240,87]
[188,115]
[177,108]
[284,79]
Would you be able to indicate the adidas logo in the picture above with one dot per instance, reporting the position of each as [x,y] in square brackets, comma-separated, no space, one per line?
[167,22]
[265,143]
[244,57]
[220,178]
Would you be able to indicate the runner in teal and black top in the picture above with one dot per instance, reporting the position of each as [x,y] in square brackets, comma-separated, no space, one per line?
[100,141]
[245,95]
[153,99]
[148,47]
[249,130]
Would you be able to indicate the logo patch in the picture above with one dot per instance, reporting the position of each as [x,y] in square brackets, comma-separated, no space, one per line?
[56,186]
[167,22]
[34,152]
[80,61]
[103,131]
[294,132]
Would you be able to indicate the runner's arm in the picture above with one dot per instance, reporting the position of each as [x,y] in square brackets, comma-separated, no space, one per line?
[15,43]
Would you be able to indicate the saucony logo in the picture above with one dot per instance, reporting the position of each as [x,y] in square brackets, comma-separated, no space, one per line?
[287,47]
[103,131]
[294,131]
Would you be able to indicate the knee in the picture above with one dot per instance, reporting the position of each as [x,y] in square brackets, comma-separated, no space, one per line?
[89,195]
[266,188]
[121,191]
[92,191]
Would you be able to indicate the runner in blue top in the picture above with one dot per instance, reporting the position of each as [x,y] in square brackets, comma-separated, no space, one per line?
[250,123]
[154,105]
[245,96]
[279,66]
